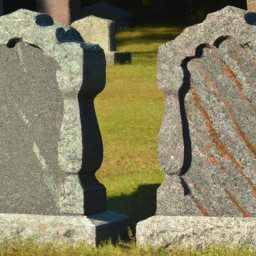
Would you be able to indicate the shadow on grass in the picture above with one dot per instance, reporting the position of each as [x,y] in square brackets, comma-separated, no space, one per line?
[157,38]
[139,205]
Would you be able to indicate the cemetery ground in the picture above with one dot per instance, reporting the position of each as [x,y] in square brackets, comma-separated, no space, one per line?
[129,112]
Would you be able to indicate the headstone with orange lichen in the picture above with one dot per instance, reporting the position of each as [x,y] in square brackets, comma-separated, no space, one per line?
[207,142]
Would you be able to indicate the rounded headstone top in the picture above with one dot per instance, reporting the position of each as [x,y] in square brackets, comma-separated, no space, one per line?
[229,21]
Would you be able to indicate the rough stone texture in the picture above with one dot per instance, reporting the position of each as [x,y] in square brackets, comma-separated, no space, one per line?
[63,229]
[251,5]
[63,11]
[96,30]
[207,138]
[51,145]
[101,31]
[106,11]
[196,232]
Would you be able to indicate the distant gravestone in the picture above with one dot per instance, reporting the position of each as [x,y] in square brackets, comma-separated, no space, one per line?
[101,31]
[51,144]
[121,17]
[96,30]
[251,5]
[207,140]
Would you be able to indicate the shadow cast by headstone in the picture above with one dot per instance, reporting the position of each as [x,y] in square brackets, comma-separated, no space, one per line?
[138,205]
[140,39]
[64,36]
[187,160]
[95,198]
[250,18]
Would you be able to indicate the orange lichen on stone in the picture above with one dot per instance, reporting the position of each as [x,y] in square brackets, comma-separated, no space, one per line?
[228,72]
[199,191]
[205,213]
[254,191]
[245,213]
[42,227]
[214,160]
[219,144]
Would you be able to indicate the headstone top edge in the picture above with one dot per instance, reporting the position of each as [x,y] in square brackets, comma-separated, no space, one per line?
[229,21]
[50,32]
[93,17]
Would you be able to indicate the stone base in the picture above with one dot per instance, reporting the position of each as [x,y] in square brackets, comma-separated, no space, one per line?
[63,229]
[113,58]
[196,232]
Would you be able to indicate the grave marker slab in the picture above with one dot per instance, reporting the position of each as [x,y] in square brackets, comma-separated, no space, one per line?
[51,144]
[121,17]
[207,140]
[96,30]
[251,5]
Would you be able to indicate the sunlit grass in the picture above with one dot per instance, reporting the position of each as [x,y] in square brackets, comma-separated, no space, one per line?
[31,248]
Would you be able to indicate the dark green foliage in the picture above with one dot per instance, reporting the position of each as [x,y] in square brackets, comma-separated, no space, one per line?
[11,6]
[196,10]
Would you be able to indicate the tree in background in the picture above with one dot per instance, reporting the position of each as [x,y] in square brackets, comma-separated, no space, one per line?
[201,8]
[145,10]
[149,10]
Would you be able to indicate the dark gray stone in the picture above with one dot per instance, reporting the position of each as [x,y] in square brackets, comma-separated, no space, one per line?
[110,12]
[51,145]
[207,140]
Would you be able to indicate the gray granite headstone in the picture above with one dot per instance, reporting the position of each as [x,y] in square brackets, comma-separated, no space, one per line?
[121,17]
[207,140]
[96,30]
[51,145]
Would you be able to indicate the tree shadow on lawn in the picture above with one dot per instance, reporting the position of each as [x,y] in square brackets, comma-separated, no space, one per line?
[159,38]
[139,205]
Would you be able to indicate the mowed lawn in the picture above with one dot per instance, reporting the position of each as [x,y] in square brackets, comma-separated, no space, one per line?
[130,111]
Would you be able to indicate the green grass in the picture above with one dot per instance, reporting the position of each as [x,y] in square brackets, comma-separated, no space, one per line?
[129,111]
[31,248]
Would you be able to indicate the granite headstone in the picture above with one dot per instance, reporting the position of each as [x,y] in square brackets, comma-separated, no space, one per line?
[50,140]
[251,5]
[207,139]
[51,144]
[121,17]
[96,30]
